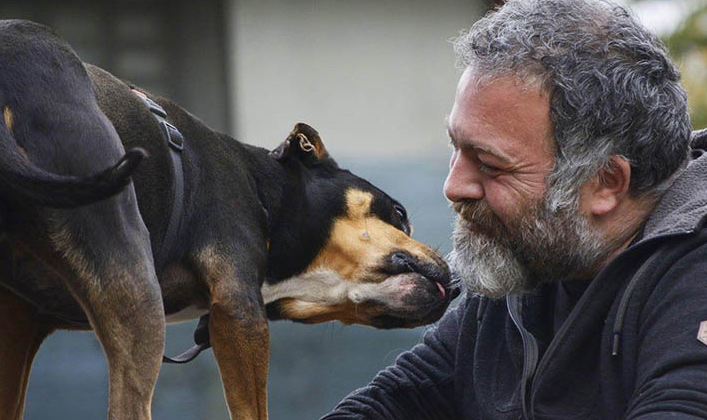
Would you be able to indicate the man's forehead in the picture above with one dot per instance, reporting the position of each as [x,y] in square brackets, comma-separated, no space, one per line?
[466,141]
[487,114]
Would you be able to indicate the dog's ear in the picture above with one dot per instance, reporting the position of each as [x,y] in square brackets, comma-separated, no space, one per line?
[304,143]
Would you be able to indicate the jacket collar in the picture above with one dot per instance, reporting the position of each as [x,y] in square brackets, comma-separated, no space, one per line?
[684,206]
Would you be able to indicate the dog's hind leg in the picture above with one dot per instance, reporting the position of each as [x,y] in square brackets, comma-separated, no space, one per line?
[102,250]
[21,333]
[107,249]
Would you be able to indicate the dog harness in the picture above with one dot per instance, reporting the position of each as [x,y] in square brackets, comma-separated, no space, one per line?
[175,143]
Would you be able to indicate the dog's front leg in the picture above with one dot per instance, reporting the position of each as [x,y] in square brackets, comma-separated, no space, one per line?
[239,335]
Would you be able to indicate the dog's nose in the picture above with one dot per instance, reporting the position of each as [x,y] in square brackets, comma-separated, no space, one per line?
[402,262]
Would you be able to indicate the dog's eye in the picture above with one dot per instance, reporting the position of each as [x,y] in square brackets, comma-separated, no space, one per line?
[400,212]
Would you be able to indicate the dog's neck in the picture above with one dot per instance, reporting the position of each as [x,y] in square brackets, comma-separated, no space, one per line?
[273,181]
[282,189]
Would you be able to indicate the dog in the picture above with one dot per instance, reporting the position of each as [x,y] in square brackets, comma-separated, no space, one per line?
[258,234]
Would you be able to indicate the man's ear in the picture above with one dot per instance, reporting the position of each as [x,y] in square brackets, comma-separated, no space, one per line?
[608,188]
[304,143]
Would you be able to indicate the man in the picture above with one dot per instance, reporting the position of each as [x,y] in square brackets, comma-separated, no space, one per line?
[579,232]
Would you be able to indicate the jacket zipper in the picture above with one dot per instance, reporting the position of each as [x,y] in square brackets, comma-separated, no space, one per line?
[530,352]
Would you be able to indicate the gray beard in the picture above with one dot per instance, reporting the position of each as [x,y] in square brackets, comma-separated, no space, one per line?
[485,267]
[494,258]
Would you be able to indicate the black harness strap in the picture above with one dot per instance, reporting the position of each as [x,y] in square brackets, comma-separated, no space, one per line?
[175,141]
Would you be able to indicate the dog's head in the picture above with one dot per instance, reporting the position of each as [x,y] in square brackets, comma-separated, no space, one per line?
[340,248]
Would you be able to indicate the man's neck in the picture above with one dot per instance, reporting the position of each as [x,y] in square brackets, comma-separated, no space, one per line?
[625,225]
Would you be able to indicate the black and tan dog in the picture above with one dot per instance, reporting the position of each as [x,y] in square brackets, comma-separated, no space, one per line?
[281,235]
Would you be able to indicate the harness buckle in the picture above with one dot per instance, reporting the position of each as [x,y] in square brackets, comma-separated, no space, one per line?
[174,137]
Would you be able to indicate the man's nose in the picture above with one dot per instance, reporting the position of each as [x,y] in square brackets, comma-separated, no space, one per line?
[464,179]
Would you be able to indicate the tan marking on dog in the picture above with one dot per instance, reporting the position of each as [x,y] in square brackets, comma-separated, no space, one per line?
[241,346]
[359,241]
[239,336]
[63,241]
[7,115]
[358,203]
[111,299]
[9,118]
[311,312]
[220,273]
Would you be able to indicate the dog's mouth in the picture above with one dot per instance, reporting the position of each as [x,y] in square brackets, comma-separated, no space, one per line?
[402,291]
[435,271]
[423,290]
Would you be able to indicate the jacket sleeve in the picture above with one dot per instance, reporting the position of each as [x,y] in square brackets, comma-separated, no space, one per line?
[671,373]
[420,385]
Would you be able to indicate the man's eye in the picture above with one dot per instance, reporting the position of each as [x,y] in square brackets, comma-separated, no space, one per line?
[452,144]
[488,169]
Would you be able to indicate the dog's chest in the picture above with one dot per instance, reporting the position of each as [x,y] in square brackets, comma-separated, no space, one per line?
[182,296]
[187,314]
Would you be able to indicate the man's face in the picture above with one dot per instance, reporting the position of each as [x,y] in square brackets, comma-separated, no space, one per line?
[505,239]
[503,147]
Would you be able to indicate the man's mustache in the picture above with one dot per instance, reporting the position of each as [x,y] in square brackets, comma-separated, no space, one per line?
[477,216]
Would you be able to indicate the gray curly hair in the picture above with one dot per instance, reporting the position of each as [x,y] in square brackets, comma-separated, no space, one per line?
[613,89]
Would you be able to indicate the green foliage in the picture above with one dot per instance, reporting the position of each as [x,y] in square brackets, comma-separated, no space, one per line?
[688,47]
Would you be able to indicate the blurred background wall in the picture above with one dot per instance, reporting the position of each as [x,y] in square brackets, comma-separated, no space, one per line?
[376,78]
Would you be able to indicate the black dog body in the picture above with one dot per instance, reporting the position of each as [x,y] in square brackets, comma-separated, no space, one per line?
[284,234]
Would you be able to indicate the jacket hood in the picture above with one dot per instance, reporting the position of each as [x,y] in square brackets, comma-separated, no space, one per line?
[680,211]
[684,206]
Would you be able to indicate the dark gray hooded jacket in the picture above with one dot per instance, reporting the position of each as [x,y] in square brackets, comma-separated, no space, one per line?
[624,345]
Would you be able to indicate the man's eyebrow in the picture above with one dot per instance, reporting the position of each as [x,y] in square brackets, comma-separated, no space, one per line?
[491,151]
[449,129]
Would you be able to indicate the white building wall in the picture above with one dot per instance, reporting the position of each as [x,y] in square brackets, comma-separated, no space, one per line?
[376,78]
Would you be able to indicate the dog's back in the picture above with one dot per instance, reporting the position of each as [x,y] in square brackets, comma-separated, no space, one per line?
[50,117]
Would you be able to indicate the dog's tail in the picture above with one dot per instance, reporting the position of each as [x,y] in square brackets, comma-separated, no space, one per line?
[22,181]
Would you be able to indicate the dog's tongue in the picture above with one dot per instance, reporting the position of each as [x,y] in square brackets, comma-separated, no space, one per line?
[442,293]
